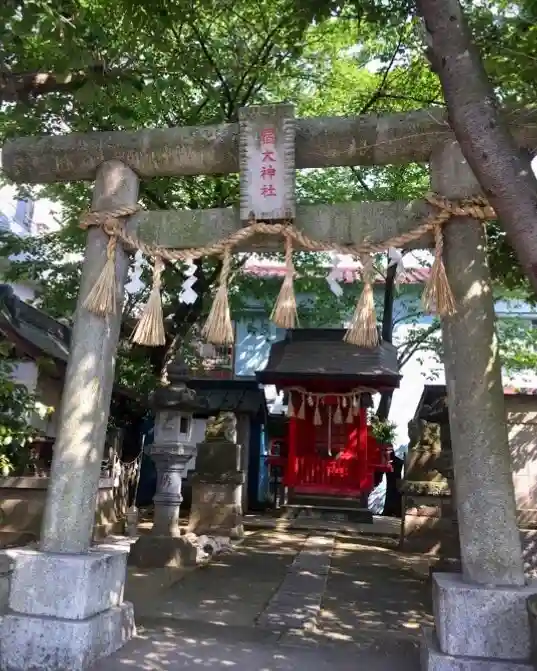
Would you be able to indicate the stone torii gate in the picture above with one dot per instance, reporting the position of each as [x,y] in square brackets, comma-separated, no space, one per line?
[66,603]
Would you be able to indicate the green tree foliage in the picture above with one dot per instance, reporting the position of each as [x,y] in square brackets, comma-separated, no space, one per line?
[82,65]
[17,409]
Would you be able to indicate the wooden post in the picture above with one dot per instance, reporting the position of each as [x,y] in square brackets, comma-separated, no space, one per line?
[70,505]
[490,543]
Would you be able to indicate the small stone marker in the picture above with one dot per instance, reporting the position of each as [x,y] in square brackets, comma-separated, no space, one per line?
[267,162]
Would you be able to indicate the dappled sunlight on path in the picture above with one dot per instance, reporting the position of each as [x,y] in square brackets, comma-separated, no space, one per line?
[367,603]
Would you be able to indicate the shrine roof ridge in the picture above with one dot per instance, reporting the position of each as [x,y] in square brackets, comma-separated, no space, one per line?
[322,353]
[214,149]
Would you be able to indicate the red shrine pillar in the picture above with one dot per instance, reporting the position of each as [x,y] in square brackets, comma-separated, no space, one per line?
[291,466]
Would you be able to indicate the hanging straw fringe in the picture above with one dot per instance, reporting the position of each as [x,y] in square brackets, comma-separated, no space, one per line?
[284,313]
[317,414]
[102,299]
[218,329]
[150,330]
[363,327]
[350,415]
[437,296]
[290,408]
[338,416]
[302,409]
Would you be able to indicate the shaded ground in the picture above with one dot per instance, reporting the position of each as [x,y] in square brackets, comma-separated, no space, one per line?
[375,589]
[372,602]
[232,590]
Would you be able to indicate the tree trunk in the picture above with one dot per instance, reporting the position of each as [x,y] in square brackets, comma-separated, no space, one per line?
[503,171]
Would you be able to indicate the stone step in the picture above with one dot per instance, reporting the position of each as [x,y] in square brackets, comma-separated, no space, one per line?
[315,500]
[333,513]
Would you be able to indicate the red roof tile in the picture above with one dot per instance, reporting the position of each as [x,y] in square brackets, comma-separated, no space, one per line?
[342,274]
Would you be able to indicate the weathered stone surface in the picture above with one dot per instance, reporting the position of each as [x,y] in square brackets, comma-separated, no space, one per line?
[490,544]
[217,508]
[6,572]
[267,162]
[532,615]
[345,223]
[157,551]
[49,644]
[217,456]
[70,506]
[73,587]
[217,485]
[320,142]
[478,621]
[433,659]
[298,600]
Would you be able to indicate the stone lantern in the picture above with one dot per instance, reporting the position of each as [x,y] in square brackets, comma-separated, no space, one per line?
[173,447]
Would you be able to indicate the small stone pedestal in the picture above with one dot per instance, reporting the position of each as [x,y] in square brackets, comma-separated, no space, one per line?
[477,628]
[217,489]
[65,610]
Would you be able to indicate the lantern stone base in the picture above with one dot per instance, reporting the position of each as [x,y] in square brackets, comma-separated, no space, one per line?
[158,551]
[477,627]
[66,611]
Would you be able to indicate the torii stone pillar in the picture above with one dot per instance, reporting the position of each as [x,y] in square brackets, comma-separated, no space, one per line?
[66,600]
[480,616]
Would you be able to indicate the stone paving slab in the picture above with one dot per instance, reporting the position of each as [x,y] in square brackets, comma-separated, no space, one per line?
[298,599]
[371,607]
[233,589]
[374,589]
[244,649]
[381,526]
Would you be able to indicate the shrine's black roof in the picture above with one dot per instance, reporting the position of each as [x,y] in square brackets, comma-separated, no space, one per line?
[37,334]
[31,327]
[322,353]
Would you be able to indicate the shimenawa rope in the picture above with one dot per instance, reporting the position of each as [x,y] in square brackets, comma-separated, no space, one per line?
[102,299]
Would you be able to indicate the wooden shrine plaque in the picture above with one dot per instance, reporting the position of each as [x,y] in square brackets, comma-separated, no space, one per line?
[267,162]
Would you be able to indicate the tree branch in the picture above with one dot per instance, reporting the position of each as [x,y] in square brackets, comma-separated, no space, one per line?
[504,172]
[407,354]
[355,171]
[15,87]
[214,66]
[378,93]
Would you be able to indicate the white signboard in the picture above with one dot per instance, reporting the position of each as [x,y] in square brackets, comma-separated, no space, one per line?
[267,163]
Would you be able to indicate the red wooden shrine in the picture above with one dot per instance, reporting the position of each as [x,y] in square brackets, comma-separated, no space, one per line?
[329,450]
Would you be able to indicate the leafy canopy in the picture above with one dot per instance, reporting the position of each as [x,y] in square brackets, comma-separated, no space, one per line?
[154,63]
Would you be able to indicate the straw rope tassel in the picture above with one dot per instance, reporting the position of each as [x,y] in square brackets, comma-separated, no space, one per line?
[218,329]
[150,329]
[302,408]
[284,313]
[290,406]
[363,327]
[437,296]
[317,414]
[102,299]
[350,415]
[338,415]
